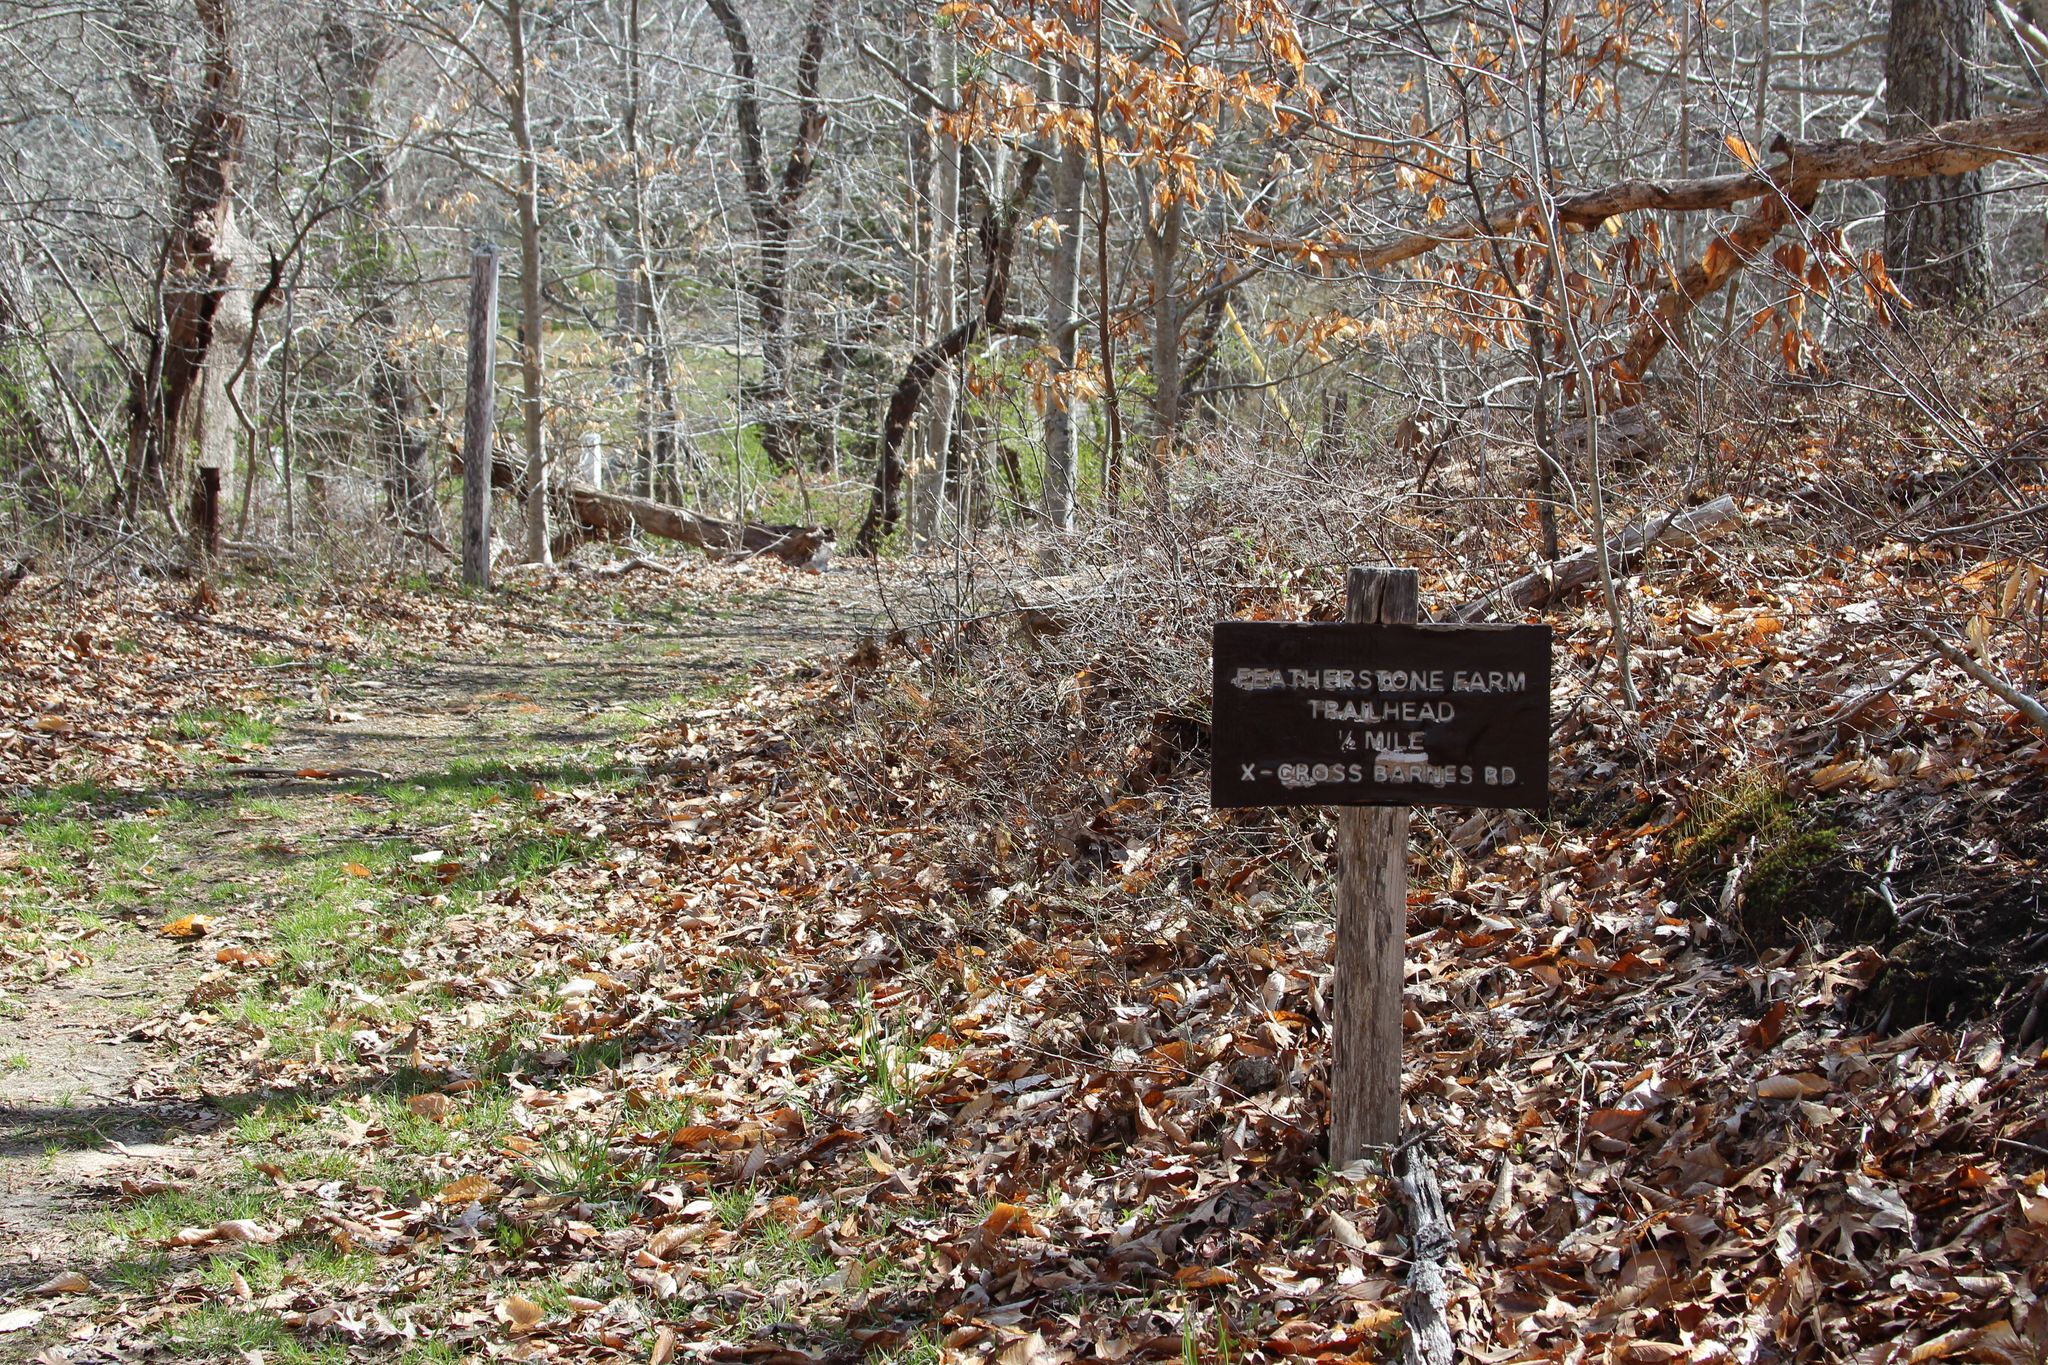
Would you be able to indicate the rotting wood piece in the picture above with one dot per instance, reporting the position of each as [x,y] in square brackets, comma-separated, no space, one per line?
[598,515]
[1539,588]
[1430,1244]
[616,514]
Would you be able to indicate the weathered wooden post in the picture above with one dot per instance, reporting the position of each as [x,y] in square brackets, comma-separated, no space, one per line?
[206,514]
[1372,924]
[1374,715]
[478,417]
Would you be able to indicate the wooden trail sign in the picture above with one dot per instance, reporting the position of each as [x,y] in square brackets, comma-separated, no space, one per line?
[1312,714]
[1374,715]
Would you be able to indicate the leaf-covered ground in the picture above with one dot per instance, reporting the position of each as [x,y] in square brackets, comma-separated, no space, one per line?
[909,1004]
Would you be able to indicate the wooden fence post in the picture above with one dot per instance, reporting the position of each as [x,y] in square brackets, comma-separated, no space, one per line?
[1372,924]
[478,417]
[206,513]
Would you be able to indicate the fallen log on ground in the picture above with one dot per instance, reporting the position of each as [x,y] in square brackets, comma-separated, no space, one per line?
[613,515]
[597,515]
[1539,588]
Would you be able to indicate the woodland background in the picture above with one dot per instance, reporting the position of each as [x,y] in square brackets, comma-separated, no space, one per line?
[915,273]
[564,972]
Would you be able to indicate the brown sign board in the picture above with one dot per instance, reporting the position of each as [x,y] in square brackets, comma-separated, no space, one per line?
[1311,713]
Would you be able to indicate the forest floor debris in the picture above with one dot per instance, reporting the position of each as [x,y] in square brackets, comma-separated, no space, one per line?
[914,1007]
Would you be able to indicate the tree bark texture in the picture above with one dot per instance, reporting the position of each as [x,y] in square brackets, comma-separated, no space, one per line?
[660,419]
[936,488]
[773,203]
[532,315]
[1163,240]
[358,50]
[195,266]
[1934,238]
[479,415]
[1059,490]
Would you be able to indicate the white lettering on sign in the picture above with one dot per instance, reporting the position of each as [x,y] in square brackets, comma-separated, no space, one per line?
[1475,681]
[1258,679]
[1351,714]
[1398,681]
[1383,712]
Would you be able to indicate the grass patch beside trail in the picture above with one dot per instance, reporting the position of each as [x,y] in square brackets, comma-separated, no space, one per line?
[227,727]
[341,894]
[78,858]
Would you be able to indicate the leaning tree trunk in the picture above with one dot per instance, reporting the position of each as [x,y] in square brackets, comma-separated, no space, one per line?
[196,265]
[999,239]
[1934,238]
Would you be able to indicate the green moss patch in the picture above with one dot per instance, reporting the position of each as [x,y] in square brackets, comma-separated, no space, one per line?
[1781,870]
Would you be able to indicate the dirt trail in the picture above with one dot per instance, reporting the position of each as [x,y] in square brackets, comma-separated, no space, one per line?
[91,1093]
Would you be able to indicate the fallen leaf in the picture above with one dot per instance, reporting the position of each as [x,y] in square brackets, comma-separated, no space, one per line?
[1204,1276]
[1004,1217]
[470,1189]
[1780,1088]
[245,1231]
[523,1313]
[431,1106]
[16,1319]
[664,1348]
[66,1282]
[2035,1207]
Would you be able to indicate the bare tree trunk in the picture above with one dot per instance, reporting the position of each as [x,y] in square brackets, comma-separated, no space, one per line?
[358,54]
[1098,108]
[532,318]
[1934,237]
[773,206]
[656,401]
[1060,489]
[1163,238]
[195,267]
[936,483]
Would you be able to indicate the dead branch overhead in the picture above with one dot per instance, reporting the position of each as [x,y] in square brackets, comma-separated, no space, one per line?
[1951,149]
